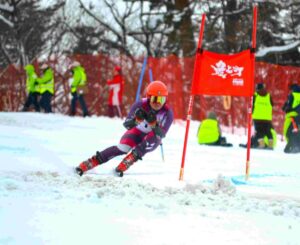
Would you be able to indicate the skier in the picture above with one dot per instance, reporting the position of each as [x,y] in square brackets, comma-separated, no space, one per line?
[209,131]
[292,120]
[147,123]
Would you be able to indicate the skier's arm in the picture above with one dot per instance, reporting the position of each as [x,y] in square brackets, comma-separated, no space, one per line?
[162,127]
[130,120]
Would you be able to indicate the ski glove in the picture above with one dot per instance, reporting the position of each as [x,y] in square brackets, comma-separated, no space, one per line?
[151,119]
[140,114]
[129,123]
[159,131]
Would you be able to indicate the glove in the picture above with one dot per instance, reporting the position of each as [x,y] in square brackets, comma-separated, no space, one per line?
[140,114]
[129,123]
[159,131]
[151,119]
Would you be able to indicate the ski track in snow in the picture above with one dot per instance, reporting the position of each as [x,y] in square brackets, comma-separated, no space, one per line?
[221,194]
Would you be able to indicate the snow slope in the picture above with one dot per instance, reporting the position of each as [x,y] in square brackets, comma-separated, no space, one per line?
[43,202]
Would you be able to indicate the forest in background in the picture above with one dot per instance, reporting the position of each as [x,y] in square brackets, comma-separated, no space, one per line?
[31,29]
[102,34]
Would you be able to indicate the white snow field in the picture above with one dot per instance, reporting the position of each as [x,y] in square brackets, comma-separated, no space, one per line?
[43,202]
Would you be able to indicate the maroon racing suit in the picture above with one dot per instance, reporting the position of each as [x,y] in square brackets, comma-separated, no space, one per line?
[141,136]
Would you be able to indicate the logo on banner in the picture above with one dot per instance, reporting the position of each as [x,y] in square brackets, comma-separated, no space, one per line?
[224,71]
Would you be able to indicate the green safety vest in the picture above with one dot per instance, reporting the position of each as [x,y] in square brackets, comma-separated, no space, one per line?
[208,131]
[262,107]
[46,82]
[289,115]
[79,78]
[296,100]
[83,76]
[31,87]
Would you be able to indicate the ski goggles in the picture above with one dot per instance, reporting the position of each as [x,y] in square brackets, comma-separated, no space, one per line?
[158,99]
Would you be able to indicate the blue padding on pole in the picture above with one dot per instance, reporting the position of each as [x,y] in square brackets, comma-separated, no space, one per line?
[141,79]
[150,75]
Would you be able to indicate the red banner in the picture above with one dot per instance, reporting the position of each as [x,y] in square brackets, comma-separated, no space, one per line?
[222,74]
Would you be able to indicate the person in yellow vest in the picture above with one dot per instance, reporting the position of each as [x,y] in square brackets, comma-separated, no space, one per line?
[46,84]
[291,128]
[209,132]
[78,88]
[262,114]
[32,89]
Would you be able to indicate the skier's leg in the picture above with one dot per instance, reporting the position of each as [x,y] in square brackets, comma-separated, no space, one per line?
[149,143]
[99,158]
[127,142]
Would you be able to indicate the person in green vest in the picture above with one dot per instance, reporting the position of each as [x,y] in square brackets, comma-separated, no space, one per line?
[209,132]
[46,84]
[78,88]
[262,114]
[291,128]
[31,88]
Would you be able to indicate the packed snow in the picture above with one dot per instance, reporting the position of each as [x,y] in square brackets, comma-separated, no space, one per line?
[44,202]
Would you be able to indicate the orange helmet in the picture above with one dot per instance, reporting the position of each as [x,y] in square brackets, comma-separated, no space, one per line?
[157,88]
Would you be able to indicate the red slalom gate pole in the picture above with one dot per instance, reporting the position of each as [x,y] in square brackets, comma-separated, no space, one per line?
[188,120]
[249,138]
[191,102]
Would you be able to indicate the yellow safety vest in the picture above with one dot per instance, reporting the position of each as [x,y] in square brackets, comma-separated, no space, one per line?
[208,131]
[262,107]
[296,100]
[46,82]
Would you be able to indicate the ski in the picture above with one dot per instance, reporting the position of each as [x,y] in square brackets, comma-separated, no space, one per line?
[78,171]
[245,146]
[118,173]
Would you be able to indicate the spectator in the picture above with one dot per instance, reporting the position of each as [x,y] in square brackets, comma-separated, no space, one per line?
[78,89]
[31,88]
[209,132]
[46,84]
[292,120]
[116,87]
[262,116]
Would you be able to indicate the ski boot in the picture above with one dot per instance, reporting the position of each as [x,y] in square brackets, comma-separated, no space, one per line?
[129,160]
[88,164]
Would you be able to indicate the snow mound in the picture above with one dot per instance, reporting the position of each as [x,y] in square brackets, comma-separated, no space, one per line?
[221,194]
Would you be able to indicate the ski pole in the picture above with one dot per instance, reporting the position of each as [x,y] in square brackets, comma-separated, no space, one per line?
[295,127]
[161,145]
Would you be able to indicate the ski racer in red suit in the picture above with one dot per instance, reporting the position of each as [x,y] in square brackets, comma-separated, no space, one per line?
[147,123]
[116,87]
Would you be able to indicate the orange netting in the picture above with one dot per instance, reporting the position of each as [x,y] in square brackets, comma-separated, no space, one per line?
[175,72]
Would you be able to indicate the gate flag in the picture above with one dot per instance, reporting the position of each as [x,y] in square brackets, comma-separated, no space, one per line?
[223,74]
